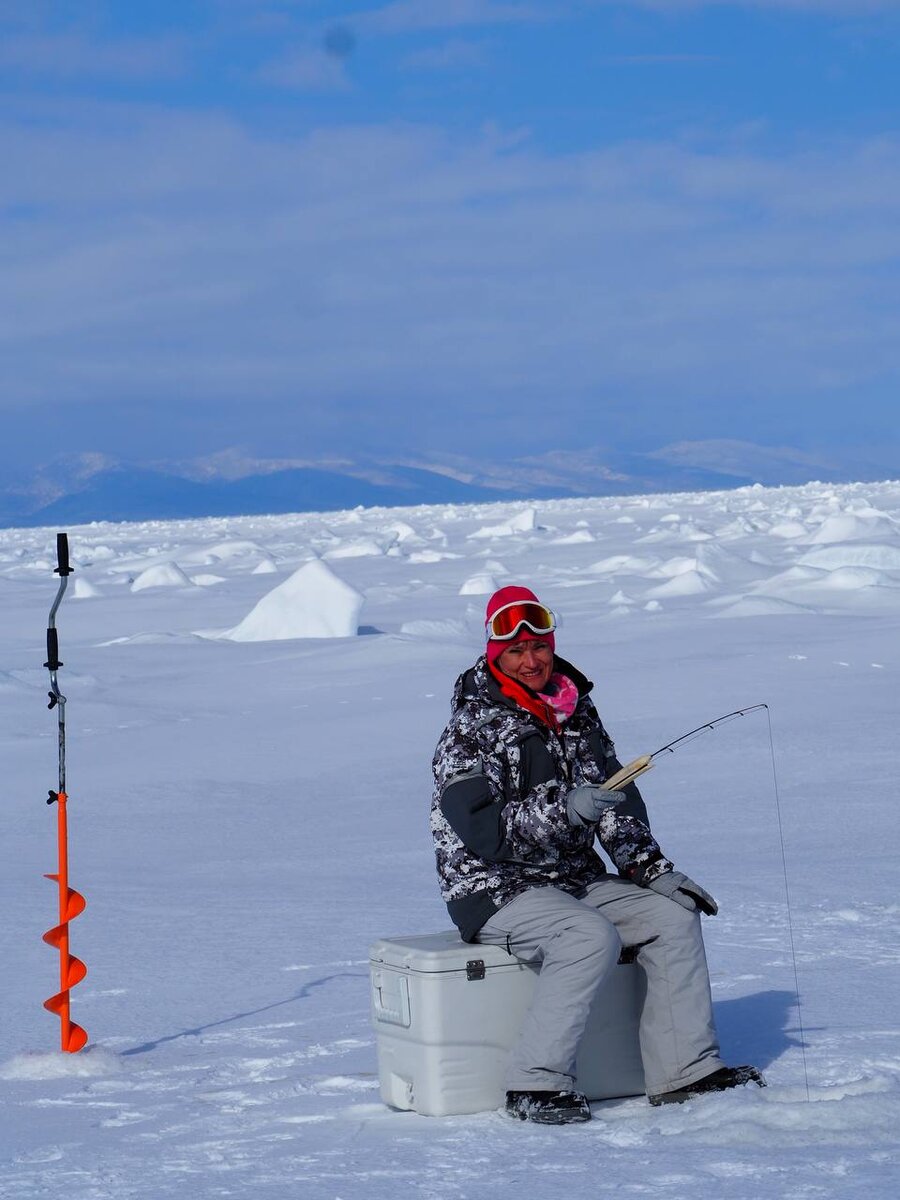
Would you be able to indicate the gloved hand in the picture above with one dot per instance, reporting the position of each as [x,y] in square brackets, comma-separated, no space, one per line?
[685,892]
[586,804]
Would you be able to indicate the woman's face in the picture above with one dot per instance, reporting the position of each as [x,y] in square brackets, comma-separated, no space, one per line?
[528,662]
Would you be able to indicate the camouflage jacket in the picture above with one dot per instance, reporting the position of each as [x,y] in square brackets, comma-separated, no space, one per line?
[499,815]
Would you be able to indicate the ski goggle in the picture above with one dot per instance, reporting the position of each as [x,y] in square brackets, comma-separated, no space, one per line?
[508,620]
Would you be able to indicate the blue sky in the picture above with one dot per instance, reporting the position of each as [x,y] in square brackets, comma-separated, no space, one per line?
[448,225]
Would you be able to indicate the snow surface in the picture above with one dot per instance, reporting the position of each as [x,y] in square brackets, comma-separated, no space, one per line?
[246,818]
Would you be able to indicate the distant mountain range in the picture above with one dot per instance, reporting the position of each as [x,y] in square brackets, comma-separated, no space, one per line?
[94,487]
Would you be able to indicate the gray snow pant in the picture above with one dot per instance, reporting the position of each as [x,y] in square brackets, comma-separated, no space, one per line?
[577,941]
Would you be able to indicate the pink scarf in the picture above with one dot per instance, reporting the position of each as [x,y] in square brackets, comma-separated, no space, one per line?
[561,696]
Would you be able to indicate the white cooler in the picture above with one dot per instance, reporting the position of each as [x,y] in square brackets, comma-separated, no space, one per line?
[446,1015]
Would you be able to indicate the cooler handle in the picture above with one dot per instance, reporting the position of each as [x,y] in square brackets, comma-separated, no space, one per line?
[390,998]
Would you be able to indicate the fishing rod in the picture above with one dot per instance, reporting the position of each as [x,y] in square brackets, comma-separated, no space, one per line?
[638,766]
[71,903]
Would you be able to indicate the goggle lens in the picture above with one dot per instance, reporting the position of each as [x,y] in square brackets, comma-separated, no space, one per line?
[506,621]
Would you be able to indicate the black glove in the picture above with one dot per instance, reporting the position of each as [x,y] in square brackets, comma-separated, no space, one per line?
[685,892]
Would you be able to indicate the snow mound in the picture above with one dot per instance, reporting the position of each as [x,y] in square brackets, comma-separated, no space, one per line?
[719,565]
[83,589]
[672,567]
[430,556]
[164,574]
[763,606]
[789,530]
[83,552]
[693,533]
[621,598]
[575,538]
[235,548]
[851,578]
[92,1061]
[359,548]
[481,584]
[792,577]
[523,522]
[205,580]
[402,531]
[686,583]
[265,566]
[224,552]
[311,603]
[846,527]
[878,556]
[623,564]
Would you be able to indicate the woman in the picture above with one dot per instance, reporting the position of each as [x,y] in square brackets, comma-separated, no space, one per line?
[518,803]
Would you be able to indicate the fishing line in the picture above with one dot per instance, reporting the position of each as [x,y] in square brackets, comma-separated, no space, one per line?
[787,898]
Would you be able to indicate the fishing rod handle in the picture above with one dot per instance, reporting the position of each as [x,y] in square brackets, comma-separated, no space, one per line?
[627,774]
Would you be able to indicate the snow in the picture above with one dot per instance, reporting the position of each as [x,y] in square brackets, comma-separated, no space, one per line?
[83,589]
[265,566]
[165,574]
[847,526]
[480,584]
[575,538]
[792,530]
[246,817]
[879,557]
[359,548]
[311,603]
[684,583]
[522,522]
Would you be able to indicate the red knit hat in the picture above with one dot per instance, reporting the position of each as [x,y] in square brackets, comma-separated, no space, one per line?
[509,595]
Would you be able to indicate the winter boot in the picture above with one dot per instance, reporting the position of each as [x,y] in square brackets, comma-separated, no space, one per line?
[718,1081]
[548,1108]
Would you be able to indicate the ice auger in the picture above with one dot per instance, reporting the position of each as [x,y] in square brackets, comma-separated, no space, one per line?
[71,903]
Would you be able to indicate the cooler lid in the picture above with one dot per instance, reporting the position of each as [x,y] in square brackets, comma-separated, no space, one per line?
[432,953]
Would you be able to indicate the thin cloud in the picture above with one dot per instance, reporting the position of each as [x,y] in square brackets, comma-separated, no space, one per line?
[638,60]
[72,56]
[812,7]
[453,55]
[407,16]
[306,69]
[349,276]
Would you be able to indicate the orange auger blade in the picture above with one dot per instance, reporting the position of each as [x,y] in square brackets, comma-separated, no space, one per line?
[71,969]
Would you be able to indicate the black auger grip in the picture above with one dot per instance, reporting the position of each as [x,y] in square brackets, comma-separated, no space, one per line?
[62,555]
[53,663]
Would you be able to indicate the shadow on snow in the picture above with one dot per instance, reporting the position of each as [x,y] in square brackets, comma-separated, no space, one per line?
[302,994]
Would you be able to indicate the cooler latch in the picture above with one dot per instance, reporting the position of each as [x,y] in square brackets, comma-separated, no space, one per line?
[475,969]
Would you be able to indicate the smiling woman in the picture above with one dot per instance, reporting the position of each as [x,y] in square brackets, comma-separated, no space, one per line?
[519,800]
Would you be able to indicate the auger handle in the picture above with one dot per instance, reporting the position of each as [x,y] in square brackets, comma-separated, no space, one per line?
[62,555]
[628,773]
[52,663]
